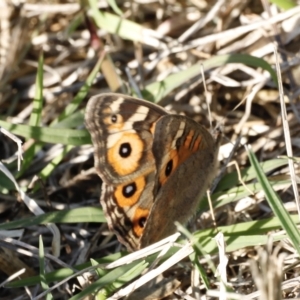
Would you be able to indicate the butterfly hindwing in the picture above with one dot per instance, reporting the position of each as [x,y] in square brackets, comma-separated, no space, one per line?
[185,167]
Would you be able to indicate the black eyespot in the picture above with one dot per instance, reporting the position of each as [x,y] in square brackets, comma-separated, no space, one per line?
[169,168]
[129,190]
[114,118]
[142,222]
[125,150]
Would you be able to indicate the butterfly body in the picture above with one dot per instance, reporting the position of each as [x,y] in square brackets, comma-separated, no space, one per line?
[155,166]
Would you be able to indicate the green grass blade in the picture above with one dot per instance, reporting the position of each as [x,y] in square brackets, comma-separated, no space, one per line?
[36,114]
[114,6]
[37,105]
[122,280]
[76,215]
[198,252]
[117,25]
[275,203]
[284,4]
[42,268]
[48,169]
[55,162]
[70,121]
[241,235]
[194,258]
[6,184]
[49,135]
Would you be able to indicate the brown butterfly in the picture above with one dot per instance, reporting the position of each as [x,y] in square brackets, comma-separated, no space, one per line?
[155,166]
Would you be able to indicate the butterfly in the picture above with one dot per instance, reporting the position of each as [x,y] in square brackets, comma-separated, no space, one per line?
[155,166]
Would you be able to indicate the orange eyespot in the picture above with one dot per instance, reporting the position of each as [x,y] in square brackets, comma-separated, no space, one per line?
[129,194]
[139,220]
[124,152]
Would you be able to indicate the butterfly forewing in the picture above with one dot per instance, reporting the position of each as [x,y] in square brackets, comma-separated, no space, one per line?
[122,129]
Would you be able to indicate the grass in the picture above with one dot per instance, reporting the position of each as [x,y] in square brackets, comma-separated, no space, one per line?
[52,224]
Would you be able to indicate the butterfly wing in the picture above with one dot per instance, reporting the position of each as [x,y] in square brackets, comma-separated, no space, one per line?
[121,128]
[186,161]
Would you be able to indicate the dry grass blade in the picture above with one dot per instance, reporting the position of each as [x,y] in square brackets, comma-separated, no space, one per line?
[287,136]
[267,273]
